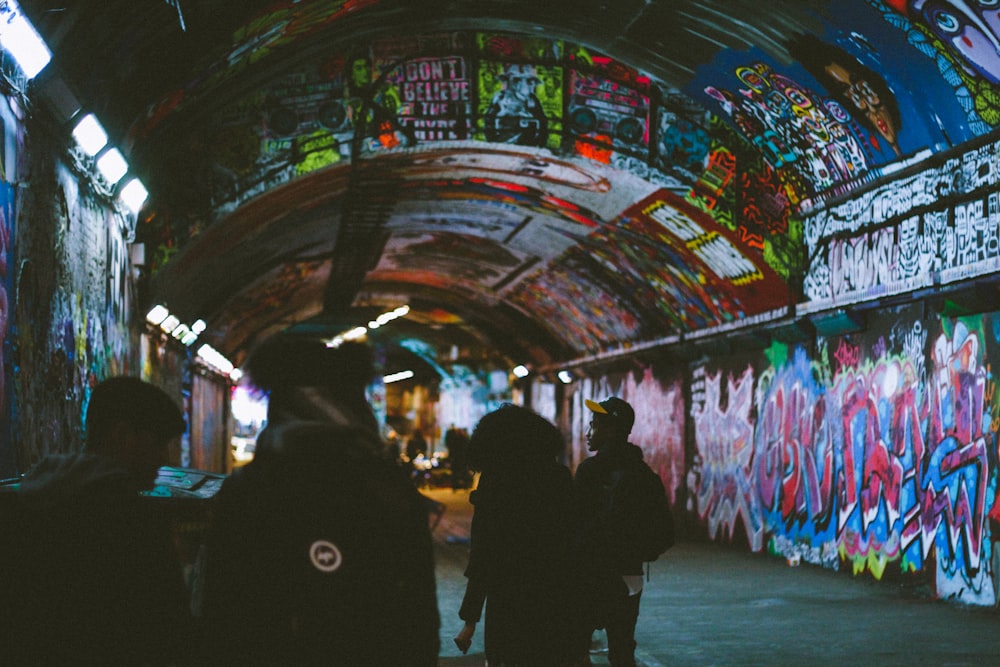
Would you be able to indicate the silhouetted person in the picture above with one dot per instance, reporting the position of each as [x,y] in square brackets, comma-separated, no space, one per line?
[416,445]
[320,551]
[456,441]
[612,574]
[520,560]
[88,571]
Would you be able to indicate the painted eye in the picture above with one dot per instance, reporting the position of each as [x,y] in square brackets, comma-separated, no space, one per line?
[947,22]
[989,4]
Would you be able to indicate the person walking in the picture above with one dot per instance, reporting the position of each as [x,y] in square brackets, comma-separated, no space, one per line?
[611,491]
[520,563]
[320,550]
[89,574]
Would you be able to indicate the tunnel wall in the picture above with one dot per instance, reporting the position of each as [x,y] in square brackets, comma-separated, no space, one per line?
[66,294]
[872,451]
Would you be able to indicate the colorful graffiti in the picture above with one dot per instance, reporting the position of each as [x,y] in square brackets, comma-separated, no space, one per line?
[882,454]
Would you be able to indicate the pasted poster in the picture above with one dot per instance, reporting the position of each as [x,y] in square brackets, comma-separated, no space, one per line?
[608,113]
[435,97]
[520,103]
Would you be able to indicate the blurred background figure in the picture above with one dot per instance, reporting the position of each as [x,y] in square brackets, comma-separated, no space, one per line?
[456,442]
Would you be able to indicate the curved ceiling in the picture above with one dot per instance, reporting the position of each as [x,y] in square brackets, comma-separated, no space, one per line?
[539,180]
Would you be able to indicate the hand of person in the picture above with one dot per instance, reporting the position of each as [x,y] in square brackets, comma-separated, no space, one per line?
[463,640]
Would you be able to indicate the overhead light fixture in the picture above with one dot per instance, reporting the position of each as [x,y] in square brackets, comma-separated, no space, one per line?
[134,195]
[216,360]
[112,165]
[565,376]
[170,323]
[19,38]
[396,377]
[157,314]
[360,332]
[521,371]
[90,135]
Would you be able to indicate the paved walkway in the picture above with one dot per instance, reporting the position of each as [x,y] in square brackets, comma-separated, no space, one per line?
[711,605]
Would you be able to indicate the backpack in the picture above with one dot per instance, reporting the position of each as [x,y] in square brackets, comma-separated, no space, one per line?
[640,514]
[321,549]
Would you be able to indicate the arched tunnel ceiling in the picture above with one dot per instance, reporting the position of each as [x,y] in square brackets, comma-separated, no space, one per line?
[551,179]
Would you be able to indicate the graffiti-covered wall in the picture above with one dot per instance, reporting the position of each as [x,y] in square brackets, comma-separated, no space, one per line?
[66,298]
[874,452]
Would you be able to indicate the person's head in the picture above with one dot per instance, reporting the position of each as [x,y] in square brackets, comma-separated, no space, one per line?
[610,424]
[307,380]
[513,438]
[134,423]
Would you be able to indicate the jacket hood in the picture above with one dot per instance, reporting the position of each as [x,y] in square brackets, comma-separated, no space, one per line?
[59,479]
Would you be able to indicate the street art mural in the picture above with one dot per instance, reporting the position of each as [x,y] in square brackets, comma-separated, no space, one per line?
[937,227]
[877,453]
[7,298]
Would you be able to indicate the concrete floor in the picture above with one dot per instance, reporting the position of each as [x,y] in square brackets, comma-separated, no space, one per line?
[710,605]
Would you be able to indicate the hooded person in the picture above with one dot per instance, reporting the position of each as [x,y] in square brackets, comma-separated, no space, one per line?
[319,551]
[90,574]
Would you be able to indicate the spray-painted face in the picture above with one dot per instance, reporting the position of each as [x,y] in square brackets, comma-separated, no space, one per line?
[970,28]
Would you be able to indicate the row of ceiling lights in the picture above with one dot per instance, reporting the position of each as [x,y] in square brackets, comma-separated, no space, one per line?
[20,39]
[523,371]
[159,316]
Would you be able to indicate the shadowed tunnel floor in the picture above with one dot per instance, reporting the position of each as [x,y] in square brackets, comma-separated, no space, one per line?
[710,605]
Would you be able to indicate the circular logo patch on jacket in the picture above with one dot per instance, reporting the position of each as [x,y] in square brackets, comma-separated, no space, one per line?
[325,556]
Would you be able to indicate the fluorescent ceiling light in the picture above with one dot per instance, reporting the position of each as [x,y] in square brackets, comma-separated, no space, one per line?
[521,371]
[90,135]
[214,358]
[157,314]
[396,377]
[565,377]
[199,326]
[19,38]
[170,323]
[134,195]
[112,165]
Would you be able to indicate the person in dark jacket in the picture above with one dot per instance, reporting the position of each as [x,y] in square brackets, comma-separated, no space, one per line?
[89,572]
[320,551]
[612,576]
[519,562]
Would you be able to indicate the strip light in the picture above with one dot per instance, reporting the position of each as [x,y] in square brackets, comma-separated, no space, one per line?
[90,135]
[360,332]
[112,165]
[134,195]
[19,38]
[396,377]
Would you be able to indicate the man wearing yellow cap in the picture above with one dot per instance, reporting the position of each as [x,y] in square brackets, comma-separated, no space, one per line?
[613,571]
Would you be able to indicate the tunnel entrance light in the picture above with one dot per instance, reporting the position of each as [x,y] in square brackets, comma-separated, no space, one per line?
[19,38]
[90,135]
